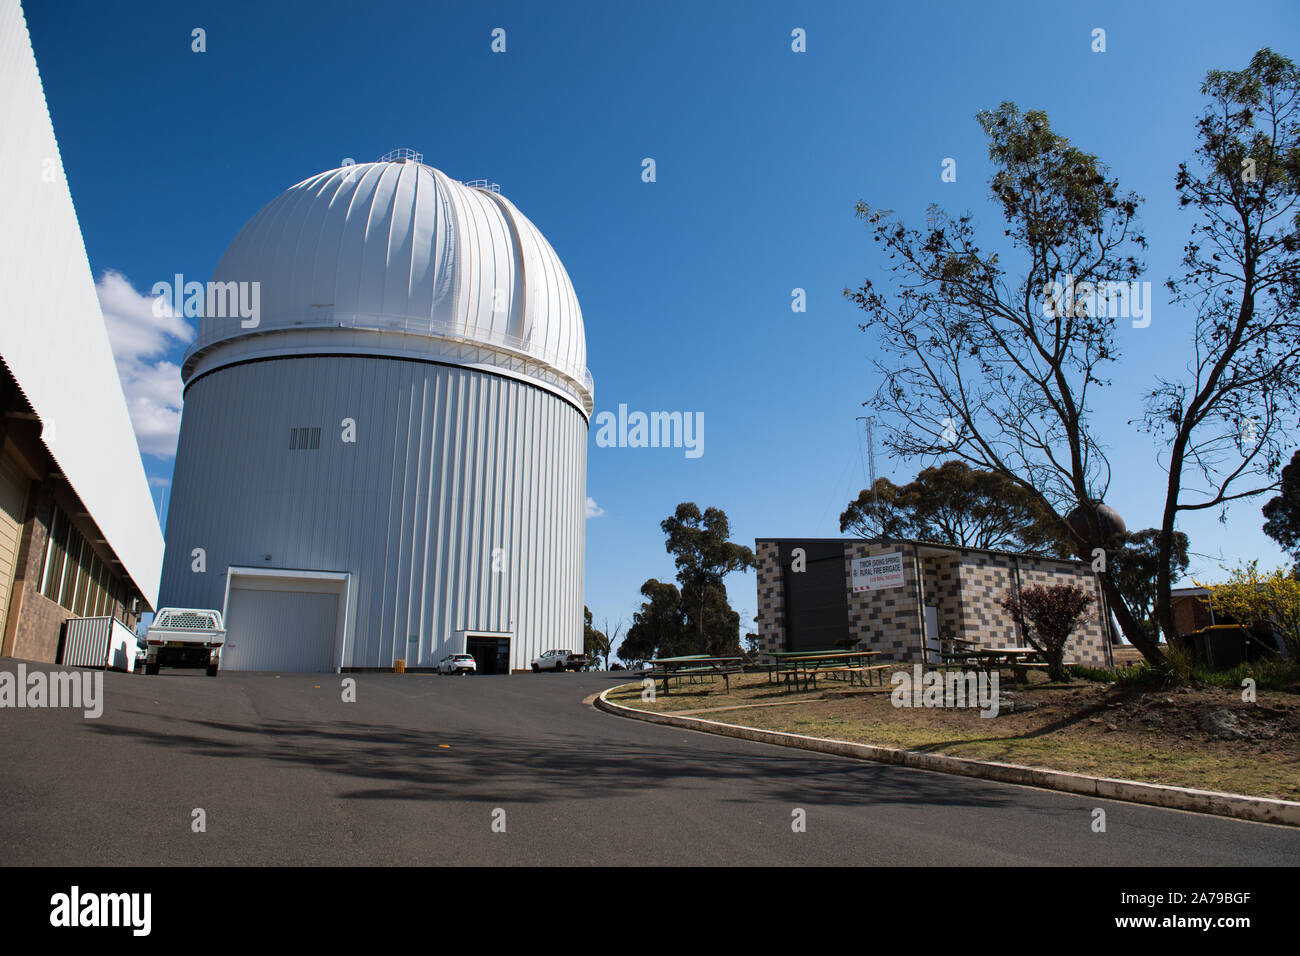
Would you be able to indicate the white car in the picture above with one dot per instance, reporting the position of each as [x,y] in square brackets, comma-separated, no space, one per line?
[559,661]
[457,664]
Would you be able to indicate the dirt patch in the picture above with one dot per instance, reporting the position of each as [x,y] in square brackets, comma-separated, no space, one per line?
[1124,716]
[1207,738]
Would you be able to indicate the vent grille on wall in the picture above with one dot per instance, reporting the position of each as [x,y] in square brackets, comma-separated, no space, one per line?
[304,439]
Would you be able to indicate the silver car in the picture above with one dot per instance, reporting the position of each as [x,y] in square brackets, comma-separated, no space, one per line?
[457,664]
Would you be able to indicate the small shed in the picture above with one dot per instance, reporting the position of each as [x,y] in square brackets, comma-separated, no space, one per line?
[902,597]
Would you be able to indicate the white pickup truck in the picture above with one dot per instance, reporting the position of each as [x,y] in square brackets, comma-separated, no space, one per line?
[185,637]
[559,661]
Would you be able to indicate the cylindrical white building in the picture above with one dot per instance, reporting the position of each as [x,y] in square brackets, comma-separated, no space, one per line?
[386,459]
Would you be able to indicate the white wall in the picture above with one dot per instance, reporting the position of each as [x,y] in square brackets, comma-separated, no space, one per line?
[52,333]
[459,506]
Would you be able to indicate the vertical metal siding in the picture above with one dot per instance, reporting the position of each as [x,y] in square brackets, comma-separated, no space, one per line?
[98,642]
[450,463]
[85,641]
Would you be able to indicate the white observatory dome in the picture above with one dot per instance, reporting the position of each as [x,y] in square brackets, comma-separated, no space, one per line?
[396,258]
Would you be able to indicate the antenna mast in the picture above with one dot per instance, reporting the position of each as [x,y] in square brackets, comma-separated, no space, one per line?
[871,471]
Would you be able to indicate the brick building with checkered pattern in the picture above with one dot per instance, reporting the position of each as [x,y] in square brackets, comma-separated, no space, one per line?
[907,596]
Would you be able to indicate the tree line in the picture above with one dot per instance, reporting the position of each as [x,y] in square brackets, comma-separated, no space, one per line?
[692,616]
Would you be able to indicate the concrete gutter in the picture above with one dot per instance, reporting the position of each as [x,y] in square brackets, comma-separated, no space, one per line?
[1256,809]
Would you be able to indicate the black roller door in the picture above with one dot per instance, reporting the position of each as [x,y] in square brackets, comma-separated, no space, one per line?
[817,598]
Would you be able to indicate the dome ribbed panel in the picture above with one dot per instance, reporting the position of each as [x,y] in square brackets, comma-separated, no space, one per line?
[379,246]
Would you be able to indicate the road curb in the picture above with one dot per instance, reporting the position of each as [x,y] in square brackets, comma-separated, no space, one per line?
[1255,809]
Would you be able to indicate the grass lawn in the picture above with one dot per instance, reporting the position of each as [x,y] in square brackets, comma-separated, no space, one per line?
[1099,729]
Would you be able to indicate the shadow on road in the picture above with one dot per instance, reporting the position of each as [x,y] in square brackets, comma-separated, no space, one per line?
[395,763]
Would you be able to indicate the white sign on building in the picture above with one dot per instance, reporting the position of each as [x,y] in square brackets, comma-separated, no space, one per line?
[878,572]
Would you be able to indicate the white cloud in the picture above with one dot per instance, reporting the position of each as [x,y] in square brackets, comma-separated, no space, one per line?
[141,337]
[594,510]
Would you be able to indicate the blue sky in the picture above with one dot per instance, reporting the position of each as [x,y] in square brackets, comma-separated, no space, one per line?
[685,283]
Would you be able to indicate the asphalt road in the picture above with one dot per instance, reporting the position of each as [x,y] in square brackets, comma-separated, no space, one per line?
[414,771]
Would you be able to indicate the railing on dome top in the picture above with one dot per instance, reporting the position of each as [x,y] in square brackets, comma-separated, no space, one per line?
[482,184]
[401,155]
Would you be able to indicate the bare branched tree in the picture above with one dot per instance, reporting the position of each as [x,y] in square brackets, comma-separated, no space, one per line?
[997,368]
[1228,423]
[611,637]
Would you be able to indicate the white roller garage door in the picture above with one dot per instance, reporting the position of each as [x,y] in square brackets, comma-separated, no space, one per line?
[281,630]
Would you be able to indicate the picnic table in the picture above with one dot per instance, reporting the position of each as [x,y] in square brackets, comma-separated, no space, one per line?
[803,667]
[694,667]
[1017,659]
[948,645]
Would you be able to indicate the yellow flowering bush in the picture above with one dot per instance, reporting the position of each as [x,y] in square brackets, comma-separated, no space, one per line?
[1252,597]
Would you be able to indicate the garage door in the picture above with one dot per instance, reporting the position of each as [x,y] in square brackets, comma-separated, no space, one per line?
[269,630]
[13,499]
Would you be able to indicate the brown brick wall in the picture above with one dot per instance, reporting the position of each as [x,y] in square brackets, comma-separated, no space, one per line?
[35,621]
[1191,613]
[40,626]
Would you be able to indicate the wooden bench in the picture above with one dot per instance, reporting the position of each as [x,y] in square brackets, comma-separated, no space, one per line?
[866,673]
[696,673]
[692,674]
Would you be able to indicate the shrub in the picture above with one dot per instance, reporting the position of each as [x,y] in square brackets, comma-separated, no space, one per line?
[1143,676]
[1182,663]
[1269,674]
[1048,616]
[1101,675]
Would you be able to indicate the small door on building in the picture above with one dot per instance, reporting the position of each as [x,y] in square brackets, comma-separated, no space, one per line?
[932,646]
[491,654]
